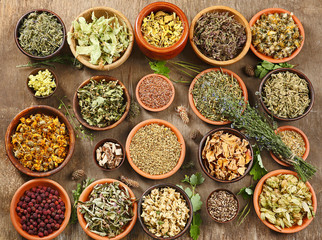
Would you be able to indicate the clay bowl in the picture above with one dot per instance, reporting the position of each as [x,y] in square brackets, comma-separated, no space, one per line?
[35,72]
[19,23]
[84,197]
[191,101]
[77,110]
[145,106]
[99,12]
[225,130]
[99,144]
[183,194]
[258,191]
[297,22]
[207,203]
[301,75]
[238,17]
[175,131]
[26,113]
[305,139]
[156,52]
[15,219]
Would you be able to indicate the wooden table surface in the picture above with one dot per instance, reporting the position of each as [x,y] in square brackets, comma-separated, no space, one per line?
[15,97]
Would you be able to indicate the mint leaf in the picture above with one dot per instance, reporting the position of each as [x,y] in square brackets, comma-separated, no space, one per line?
[268,65]
[194,231]
[188,192]
[196,202]
[159,67]
[263,73]
[286,65]
[246,192]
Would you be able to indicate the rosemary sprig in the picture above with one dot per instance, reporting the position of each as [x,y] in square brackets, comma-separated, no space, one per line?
[63,59]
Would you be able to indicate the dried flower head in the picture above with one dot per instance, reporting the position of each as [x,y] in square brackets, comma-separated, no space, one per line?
[78,174]
[183,113]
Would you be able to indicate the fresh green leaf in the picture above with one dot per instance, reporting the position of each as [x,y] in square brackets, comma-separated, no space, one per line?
[196,202]
[267,65]
[258,70]
[196,220]
[243,214]
[277,66]
[246,192]
[196,179]
[286,65]
[180,186]
[258,170]
[159,67]
[194,231]
[188,192]
[263,73]
[186,179]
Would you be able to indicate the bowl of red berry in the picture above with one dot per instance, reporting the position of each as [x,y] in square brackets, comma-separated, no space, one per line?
[40,209]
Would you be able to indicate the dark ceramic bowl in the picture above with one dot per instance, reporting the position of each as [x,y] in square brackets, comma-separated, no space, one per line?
[183,194]
[301,75]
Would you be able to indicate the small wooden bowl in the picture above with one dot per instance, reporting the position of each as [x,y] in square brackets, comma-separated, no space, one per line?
[238,17]
[15,219]
[34,72]
[175,131]
[84,197]
[297,22]
[26,113]
[99,144]
[20,21]
[301,75]
[207,203]
[156,52]
[77,109]
[258,191]
[99,12]
[149,108]
[305,139]
[225,130]
[183,194]
[191,101]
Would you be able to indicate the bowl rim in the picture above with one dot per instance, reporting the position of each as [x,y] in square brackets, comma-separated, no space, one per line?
[297,22]
[213,61]
[234,132]
[121,59]
[258,190]
[149,108]
[98,78]
[301,75]
[183,194]
[84,196]
[191,101]
[34,110]
[16,34]
[18,194]
[180,140]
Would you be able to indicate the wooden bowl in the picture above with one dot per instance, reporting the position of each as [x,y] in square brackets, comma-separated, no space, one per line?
[99,144]
[258,191]
[84,197]
[77,110]
[34,72]
[297,22]
[305,139]
[15,219]
[301,75]
[191,101]
[26,113]
[238,17]
[16,35]
[164,53]
[175,131]
[99,12]
[225,130]
[149,108]
[207,203]
[183,194]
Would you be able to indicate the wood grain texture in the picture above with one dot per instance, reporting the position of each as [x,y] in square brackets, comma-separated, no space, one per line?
[15,97]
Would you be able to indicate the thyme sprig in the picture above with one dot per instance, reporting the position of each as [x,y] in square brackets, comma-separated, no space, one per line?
[63,59]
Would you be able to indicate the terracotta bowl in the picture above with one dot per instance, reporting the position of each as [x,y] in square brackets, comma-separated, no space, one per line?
[84,197]
[99,12]
[207,203]
[166,52]
[15,219]
[77,110]
[19,23]
[301,75]
[99,144]
[176,132]
[258,191]
[238,17]
[297,22]
[26,113]
[183,194]
[191,101]
[35,72]
[149,108]
[225,130]
[305,139]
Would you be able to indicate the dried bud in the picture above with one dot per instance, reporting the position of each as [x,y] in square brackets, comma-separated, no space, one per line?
[249,70]
[78,174]
[129,182]
[195,135]
[183,113]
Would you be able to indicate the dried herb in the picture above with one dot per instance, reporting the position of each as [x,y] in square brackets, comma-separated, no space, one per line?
[109,155]
[129,182]
[249,70]
[264,67]
[43,83]
[134,111]
[78,174]
[294,141]
[195,135]
[183,113]
[63,59]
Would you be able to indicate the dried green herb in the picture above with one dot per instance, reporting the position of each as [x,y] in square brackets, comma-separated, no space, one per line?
[63,59]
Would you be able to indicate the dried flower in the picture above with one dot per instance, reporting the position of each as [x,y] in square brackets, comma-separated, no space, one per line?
[195,135]
[249,70]
[78,174]
[183,113]
[129,182]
